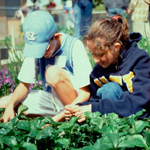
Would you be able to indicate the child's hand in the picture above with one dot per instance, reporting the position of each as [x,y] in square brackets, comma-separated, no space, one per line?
[78,111]
[71,12]
[9,114]
[68,112]
[128,11]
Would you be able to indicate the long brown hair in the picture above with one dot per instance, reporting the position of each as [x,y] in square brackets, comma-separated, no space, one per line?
[105,32]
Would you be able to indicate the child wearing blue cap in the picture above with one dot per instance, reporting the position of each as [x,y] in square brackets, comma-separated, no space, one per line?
[63,65]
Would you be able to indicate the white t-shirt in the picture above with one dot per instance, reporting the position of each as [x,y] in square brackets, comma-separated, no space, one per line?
[81,66]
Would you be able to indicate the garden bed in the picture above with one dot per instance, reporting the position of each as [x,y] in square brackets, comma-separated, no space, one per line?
[107,132]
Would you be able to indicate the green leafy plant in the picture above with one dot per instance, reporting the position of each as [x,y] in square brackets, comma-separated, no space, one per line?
[97,132]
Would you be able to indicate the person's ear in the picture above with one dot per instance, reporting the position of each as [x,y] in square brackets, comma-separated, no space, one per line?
[117,45]
[57,36]
[84,41]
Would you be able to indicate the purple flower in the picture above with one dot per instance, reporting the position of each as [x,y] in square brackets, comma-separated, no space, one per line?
[40,82]
[7,83]
[7,80]
[9,75]
[11,90]
[31,86]
[0,85]
[4,77]
[4,70]
[12,82]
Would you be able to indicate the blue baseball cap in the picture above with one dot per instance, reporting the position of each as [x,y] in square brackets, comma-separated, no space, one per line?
[38,27]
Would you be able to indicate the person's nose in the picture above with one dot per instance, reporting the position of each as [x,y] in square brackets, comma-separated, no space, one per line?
[102,58]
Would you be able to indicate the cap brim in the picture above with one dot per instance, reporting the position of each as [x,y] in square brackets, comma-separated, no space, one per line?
[35,51]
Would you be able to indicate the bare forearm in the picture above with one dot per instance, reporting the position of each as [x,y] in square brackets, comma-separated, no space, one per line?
[19,94]
[83,96]
[59,117]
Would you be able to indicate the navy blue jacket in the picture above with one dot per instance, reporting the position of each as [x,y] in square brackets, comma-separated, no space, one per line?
[133,75]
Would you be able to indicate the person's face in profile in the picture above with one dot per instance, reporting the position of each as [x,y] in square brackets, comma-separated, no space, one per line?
[54,44]
[105,58]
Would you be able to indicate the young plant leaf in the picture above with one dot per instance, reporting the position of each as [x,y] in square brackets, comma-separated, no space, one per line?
[21,109]
[29,146]
[147,136]
[64,142]
[24,125]
[10,141]
[134,141]
[140,125]
[114,139]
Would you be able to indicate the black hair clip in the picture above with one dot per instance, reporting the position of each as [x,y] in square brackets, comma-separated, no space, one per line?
[117,18]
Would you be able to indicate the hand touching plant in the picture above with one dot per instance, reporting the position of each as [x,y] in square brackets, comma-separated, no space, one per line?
[77,111]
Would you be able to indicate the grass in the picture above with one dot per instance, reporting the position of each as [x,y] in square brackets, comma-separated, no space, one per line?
[99,8]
